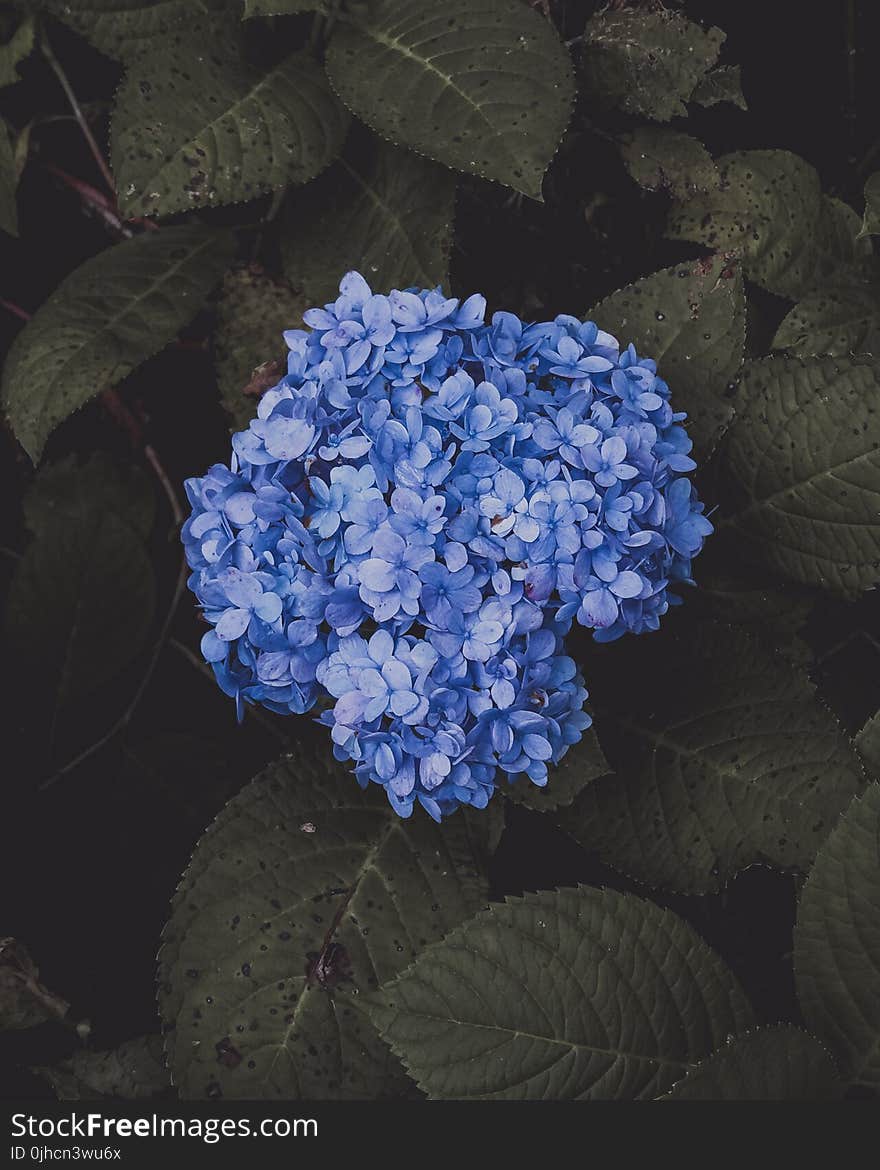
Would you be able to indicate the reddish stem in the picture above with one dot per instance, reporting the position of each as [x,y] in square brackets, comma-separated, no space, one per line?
[14,309]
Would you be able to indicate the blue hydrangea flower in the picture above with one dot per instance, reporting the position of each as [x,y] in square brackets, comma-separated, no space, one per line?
[422,507]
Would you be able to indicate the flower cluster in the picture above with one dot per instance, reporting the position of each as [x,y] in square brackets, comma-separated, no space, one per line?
[423,506]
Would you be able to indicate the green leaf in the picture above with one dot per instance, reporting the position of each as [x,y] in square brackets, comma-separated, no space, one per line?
[80,605]
[871,221]
[647,63]
[691,319]
[104,320]
[850,253]
[278,7]
[868,744]
[667,160]
[721,84]
[489,826]
[773,612]
[577,994]
[195,126]
[122,29]
[722,755]
[24,1001]
[388,215]
[834,320]
[770,209]
[132,1072]
[837,942]
[19,46]
[483,86]
[803,459]
[252,313]
[79,492]
[769,1064]
[581,765]
[303,894]
[8,183]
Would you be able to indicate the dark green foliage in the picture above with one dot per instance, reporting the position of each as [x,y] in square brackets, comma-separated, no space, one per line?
[222,164]
[104,320]
[75,492]
[80,607]
[769,207]
[580,994]
[839,320]
[837,942]
[647,62]
[721,84]
[732,762]
[124,28]
[871,222]
[807,510]
[134,1071]
[668,160]
[194,125]
[253,310]
[770,1064]
[483,86]
[382,210]
[8,183]
[304,894]
[697,337]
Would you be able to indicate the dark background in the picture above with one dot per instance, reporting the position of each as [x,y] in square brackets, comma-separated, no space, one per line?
[89,864]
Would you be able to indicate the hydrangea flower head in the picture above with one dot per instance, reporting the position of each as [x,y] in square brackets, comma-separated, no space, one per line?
[422,508]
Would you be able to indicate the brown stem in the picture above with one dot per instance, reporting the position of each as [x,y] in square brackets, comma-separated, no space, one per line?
[55,65]
[180,585]
[16,310]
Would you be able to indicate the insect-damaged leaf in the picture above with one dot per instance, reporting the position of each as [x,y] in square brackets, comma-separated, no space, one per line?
[196,126]
[305,893]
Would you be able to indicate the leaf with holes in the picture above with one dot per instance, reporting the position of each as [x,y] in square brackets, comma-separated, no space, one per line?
[769,1064]
[581,765]
[303,894]
[103,321]
[691,319]
[731,761]
[252,313]
[769,207]
[80,606]
[837,320]
[195,126]
[721,84]
[577,994]
[837,942]
[871,221]
[647,63]
[385,212]
[132,1072]
[802,467]
[122,29]
[667,160]
[483,86]
[80,492]
[8,184]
